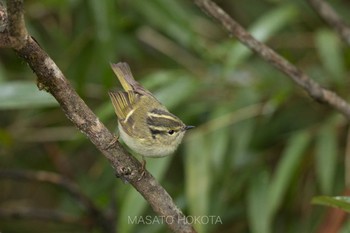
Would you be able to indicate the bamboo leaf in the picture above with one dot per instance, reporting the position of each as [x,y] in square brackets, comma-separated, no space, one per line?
[287,167]
[134,204]
[198,175]
[326,157]
[266,26]
[18,95]
[330,52]
[259,215]
[341,202]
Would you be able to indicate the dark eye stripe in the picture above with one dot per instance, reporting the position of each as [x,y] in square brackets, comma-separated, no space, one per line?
[153,131]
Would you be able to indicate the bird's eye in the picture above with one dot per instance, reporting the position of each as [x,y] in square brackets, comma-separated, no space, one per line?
[171,132]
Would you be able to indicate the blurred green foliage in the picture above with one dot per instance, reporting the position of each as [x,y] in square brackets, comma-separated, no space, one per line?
[262,149]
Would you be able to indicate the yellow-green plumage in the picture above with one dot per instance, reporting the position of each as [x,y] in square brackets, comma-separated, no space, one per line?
[145,125]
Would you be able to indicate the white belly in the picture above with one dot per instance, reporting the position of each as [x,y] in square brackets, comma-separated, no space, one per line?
[143,148]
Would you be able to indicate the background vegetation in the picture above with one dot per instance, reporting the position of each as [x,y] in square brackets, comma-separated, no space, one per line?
[261,149]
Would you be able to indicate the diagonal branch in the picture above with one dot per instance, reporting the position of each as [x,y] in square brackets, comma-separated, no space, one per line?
[51,79]
[327,13]
[298,76]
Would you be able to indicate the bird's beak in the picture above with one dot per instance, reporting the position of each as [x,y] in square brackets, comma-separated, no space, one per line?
[189,127]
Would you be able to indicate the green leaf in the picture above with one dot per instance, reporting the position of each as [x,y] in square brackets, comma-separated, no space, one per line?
[5,138]
[219,143]
[100,11]
[259,215]
[286,168]
[331,54]
[176,91]
[326,157]
[169,17]
[198,174]
[264,28]
[19,95]
[2,73]
[133,203]
[341,202]
[243,133]
[264,198]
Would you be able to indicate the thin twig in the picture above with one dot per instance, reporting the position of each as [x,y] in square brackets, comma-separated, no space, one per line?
[299,77]
[228,119]
[330,16]
[51,79]
[171,49]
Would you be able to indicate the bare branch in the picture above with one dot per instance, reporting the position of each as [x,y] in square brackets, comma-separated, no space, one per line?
[326,12]
[5,41]
[17,27]
[51,79]
[72,188]
[17,32]
[3,17]
[298,76]
[39,214]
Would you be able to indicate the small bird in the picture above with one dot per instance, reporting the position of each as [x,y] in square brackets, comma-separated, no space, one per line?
[145,125]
